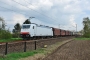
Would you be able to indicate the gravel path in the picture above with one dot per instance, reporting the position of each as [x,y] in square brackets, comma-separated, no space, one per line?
[74,50]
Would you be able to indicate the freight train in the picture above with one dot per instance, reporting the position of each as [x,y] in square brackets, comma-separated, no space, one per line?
[30,31]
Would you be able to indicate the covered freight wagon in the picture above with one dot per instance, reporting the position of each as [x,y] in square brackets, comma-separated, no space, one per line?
[67,33]
[63,32]
[56,32]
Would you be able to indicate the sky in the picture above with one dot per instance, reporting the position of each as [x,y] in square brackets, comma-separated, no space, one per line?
[63,14]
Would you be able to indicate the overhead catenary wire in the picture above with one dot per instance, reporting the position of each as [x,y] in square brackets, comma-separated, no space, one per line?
[42,11]
[34,10]
[33,6]
[31,9]
[11,9]
[26,7]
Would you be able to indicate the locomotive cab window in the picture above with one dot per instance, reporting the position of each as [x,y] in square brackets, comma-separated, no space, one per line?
[25,26]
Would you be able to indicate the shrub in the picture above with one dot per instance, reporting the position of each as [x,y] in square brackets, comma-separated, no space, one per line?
[16,35]
[5,34]
[86,35]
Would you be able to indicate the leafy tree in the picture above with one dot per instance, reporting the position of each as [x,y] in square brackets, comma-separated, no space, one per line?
[86,29]
[16,30]
[27,22]
[81,32]
[4,34]
[13,30]
[3,23]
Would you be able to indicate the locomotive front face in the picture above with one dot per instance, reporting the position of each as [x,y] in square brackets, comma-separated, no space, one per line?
[25,31]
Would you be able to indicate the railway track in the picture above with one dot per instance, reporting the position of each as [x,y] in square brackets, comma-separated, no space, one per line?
[18,41]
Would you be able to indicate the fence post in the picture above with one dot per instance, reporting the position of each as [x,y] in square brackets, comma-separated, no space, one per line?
[25,46]
[35,45]
[6,46]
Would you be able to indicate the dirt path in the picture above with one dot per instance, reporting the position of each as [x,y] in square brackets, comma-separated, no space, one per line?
[75,50]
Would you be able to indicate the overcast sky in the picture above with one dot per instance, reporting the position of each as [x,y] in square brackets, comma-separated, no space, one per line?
[64,14]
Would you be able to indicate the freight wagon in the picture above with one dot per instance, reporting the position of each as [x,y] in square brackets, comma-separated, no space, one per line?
[56,32]
[63,33]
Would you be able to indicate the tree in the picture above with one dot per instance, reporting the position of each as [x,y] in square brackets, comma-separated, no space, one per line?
[16,30]
[2,23]
[81,32]
[27,22]
[4,34]
[17,27]
[86,29]
[13,30]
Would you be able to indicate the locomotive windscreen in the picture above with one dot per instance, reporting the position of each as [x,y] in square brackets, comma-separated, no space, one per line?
[25,26]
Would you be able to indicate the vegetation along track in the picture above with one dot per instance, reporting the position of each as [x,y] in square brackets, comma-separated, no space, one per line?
[17,41]
[74,50]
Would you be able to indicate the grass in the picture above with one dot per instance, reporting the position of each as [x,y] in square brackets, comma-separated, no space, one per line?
[81,38]
[16,56]
[10,40]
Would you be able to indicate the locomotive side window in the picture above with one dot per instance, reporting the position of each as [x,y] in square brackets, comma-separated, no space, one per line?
[33,27]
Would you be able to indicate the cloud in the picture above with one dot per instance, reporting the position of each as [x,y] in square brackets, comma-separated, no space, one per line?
[18,18]
[49,12]
[72,20]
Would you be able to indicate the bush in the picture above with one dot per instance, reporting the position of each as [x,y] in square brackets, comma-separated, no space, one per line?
[5,34]
[86,35]
[16,35]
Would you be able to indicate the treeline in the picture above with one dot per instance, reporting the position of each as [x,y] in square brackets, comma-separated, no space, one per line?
[6,34]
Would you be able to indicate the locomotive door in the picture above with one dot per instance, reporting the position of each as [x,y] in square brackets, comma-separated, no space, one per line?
[34,30]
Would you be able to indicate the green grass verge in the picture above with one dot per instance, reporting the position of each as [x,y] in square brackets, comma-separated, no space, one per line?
[16,56]
[10,40]
[82,38]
